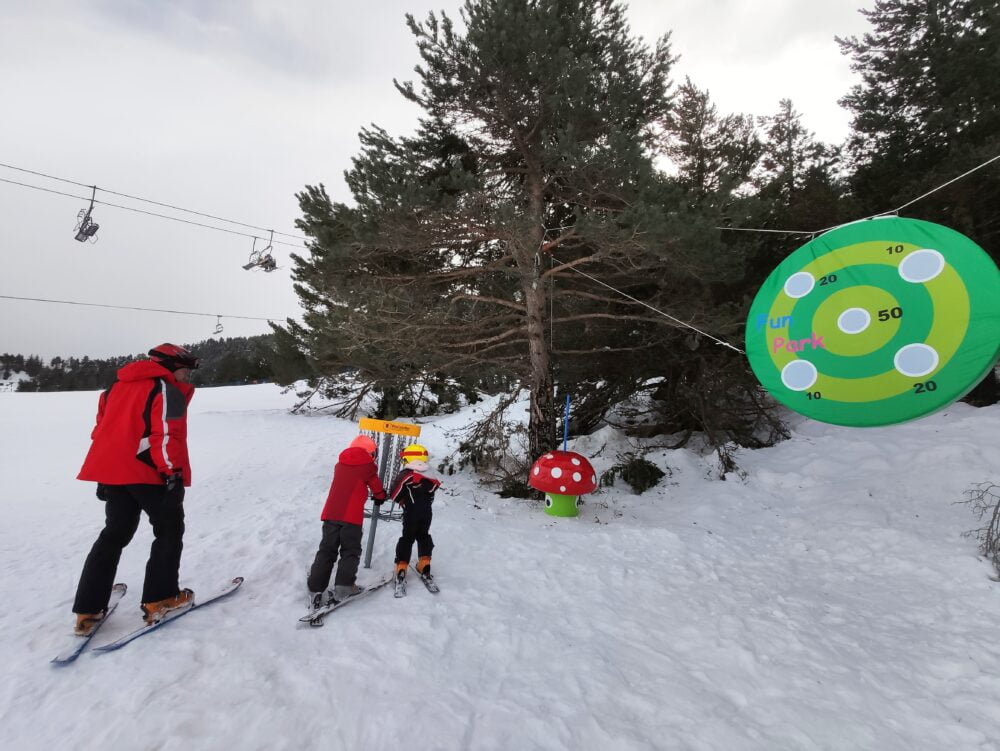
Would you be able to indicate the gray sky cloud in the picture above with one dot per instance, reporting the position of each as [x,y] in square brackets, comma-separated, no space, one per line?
[231,107]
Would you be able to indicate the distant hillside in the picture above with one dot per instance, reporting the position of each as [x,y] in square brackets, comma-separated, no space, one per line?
[224,362]
[10,380]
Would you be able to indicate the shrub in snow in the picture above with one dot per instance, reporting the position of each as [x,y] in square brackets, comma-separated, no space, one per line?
[984,497]
[640,473]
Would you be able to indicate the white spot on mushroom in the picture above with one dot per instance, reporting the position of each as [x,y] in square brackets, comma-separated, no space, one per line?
[577,477]
[556,472]
[593,479]
[549,456]
[562,488]
[575,461]
[537,470]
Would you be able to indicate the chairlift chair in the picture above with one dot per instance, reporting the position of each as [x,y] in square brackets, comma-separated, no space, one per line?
[261,258]
[86,228]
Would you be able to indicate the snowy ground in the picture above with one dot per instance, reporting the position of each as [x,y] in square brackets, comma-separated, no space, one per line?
[830,601]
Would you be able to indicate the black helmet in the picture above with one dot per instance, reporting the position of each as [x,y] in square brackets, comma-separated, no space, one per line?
[173,357]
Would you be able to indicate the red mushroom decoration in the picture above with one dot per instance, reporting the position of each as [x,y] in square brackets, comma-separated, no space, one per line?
[562,476]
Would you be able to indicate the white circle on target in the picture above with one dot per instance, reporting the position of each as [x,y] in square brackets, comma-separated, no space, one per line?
[799,375]
[854,320]
[921,265]
[915,360]
[799,284]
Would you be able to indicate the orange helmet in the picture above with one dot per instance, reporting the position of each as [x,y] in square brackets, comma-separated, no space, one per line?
[366,443]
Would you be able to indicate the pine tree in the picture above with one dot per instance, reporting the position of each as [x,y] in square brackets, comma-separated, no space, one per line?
[713,155]
[928,109]
[533,159]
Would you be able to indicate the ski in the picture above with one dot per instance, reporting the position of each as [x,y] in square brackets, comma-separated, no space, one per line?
[315,617]
[400,588]
[75,649]
[170,616]
[428,582]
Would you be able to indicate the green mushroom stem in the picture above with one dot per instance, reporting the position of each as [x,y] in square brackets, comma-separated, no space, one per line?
[561,505]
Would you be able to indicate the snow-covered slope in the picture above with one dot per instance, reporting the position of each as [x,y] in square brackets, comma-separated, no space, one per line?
[830,601]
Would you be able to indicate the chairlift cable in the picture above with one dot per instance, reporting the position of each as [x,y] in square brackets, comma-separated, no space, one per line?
[148,213]
[129,307]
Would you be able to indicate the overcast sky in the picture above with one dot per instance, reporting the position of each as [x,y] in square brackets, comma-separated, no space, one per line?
[230,107]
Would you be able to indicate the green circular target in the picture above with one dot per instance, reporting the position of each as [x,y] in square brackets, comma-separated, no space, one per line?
[876,322]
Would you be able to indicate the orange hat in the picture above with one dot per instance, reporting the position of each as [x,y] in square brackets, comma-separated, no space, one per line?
[366,443]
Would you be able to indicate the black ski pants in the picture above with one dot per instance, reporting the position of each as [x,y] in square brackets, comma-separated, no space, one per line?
[340,538]
[415,529]
[122,509]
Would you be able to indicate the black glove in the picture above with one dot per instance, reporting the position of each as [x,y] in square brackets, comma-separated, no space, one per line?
[102,492]
[377,500]
[173,481]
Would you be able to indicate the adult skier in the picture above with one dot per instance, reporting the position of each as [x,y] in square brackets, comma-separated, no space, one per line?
[139,458]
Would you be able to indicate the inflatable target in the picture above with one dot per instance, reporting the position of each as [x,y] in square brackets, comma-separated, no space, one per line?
[876,322]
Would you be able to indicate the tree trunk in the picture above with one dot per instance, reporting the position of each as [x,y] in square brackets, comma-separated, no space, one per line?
[541,422]
[541,418]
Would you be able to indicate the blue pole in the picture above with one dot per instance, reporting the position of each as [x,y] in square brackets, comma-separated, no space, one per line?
[566,422]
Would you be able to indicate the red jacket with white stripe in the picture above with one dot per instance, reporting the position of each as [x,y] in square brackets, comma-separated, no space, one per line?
[141,431]
[354,475]
[414,490]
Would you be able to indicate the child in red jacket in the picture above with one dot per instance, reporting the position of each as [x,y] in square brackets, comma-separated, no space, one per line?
[353,476]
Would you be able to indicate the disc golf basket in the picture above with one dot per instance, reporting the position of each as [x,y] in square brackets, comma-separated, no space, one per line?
[390,438]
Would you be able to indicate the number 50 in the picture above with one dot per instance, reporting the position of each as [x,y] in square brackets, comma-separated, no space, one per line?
[886,314]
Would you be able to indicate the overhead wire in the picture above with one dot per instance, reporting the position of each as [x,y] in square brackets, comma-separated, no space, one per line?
[684,324]
[787,232]
[578,271]
[774,231]
[131,307]
[147,200]
[928,193]
[149,213]
[892,212]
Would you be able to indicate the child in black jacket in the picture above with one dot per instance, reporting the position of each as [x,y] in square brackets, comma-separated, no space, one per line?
[414,492]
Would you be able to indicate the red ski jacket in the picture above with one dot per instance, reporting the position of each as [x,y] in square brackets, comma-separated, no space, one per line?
[353,475]
[141,430]
[414,490]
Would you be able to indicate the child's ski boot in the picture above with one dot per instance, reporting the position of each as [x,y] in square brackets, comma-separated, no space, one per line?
[400,590]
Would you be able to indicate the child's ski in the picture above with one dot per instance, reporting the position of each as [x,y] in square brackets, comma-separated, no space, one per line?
[315,617]
[171,616]
[428,582]
[400,590]
[75,649]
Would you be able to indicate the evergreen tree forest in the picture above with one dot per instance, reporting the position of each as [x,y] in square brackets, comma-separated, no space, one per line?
[224,362]
[566,212]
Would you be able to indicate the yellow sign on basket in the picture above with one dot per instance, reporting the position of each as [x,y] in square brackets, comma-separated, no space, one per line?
[385,426]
